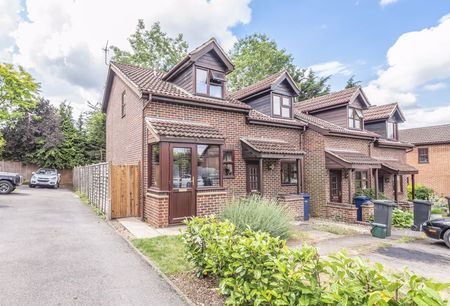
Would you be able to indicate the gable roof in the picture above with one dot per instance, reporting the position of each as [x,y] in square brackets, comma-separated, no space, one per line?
[198,52]
[179,128]
[383,112]
[334,99]
[438,134]
[149,81]
[328,128]
[268,83]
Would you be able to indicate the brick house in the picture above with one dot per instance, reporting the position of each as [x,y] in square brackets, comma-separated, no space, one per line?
[199,145]
[431,155]
[347,148]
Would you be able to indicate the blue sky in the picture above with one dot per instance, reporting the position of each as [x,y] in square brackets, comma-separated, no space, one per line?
[399,49]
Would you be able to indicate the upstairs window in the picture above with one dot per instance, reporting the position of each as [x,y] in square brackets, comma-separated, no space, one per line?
[281,106]
[355,118]
[391,130]
[123,103]
[209,82]
[423,155]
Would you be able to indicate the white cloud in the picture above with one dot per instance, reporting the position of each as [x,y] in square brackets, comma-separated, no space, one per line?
[331,68]
[435,86]
[387,2]
[62,41]
[416,58]
[419,117]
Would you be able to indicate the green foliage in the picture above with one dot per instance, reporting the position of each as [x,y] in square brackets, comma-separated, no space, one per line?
[352,83]
[436,210]
[422,192]
[255,268]
[370,193]
[258,214]
[309,83]
[402,219]
[166,251]
[152,48]
[2,143]
[18,93]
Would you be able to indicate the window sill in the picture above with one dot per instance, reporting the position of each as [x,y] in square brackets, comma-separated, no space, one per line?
[210,188]
[229,177]
[290,184]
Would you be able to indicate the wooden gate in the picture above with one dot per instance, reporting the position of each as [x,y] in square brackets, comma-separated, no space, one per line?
[124,190]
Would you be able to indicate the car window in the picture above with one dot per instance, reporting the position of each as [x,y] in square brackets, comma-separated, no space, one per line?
[46,171]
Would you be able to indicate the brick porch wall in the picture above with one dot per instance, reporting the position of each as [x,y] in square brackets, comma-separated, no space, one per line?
[341,212]
[211,202]
[367,212]
[156,209]
[294,205]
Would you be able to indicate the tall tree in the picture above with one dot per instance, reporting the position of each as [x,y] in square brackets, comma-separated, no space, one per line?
[309,84]
[152,48]
[255,57]
[18,92]
[352,83]
[95,130]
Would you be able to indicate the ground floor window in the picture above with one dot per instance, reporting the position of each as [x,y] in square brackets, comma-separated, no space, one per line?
[228,163]
[154,177]
[401,184]
[361,180]
[289,172]
[208,165]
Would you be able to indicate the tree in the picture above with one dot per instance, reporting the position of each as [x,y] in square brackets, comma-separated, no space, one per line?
[18,92]
[309,84]
[95,131]
[152,48]
[39,131]
[255,57]
[352,83]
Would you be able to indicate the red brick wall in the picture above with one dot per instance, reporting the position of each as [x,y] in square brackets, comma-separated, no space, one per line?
[341,212]
[156,209]
[435,174]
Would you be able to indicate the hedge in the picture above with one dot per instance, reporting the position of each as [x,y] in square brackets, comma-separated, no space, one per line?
[257,269]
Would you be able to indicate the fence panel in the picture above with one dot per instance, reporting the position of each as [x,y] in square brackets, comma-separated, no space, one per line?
[113,189]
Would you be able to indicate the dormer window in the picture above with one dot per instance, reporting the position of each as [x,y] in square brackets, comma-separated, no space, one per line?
[281,106]
[391,130]
[355,118]
[209,82]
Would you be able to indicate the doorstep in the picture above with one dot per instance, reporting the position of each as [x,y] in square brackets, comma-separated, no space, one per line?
[139,229]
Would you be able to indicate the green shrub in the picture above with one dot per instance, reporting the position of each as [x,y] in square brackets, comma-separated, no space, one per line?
[436,210]
[402,219]
[422,192]
[259,214]
[257,269]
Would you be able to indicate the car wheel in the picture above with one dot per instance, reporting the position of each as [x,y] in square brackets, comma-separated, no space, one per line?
[55,186]
[6,187]
[31,186]
[447,238]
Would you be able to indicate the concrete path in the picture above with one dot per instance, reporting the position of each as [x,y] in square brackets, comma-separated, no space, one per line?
[54,250]
[140,229]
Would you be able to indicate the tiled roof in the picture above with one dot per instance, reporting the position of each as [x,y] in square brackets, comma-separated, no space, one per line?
[258,86]
[258,116]
[392,143]
[148,80]
[398,166]
[380,112]
[329,100]
[426,135]
[271,146]
[179,128]
[333,128]
[353,157]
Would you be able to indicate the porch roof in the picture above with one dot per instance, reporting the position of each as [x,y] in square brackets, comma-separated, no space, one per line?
[269,148]
[336,159]
[167,129]
[397,167]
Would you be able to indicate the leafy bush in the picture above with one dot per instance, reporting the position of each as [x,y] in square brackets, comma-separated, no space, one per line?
[402,219]
[436,210]
[258,214]
[257,269]
[422,192]
[370,193]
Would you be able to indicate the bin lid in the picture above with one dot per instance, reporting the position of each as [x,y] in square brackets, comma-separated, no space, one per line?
[385,202]
[362,197]
[422,202]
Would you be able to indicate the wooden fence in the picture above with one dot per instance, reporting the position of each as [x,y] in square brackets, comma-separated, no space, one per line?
[26,171]
[114,189]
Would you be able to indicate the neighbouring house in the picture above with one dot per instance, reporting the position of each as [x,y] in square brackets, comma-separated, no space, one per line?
[345,152]
[199,145]
[431,155]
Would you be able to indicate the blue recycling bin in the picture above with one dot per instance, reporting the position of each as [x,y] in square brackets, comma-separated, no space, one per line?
[306,206]
[358,201]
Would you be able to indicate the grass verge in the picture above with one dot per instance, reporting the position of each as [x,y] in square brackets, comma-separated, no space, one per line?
[167,252]
[334,229]
[86,201]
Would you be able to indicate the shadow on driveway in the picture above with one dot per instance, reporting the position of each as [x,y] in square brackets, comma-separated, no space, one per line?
[414,255]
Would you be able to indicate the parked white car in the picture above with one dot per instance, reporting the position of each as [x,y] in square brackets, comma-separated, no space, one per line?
[45,177]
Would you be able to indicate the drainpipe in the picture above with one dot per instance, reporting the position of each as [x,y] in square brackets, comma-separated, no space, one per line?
[144,145]
[301,165]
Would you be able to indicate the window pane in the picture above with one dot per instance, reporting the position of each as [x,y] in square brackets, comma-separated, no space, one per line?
[215,90]
[358,124]
[359,113]
[284,173]
[293,173]
[276,105]
[156,179]
[351,123]
[286,112]
[208,165]
[182,168]
[227,156]
[350,112]
[228,170]
[202,81]
[286,101]
[390,130]
[288,173]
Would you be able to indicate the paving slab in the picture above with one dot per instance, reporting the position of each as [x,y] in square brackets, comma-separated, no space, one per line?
[140,229]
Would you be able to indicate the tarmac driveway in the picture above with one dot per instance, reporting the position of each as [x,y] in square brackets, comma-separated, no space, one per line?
[54,250]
